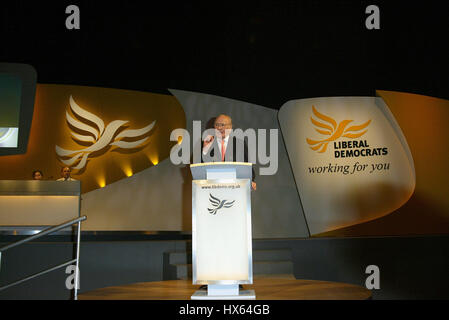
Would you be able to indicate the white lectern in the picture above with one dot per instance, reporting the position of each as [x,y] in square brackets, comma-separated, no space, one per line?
[221,230]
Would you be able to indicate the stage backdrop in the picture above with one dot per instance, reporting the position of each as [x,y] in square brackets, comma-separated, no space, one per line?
[363,165]
[117,142]
[162,195]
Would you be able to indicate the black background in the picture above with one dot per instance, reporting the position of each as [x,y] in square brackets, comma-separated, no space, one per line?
[263,52]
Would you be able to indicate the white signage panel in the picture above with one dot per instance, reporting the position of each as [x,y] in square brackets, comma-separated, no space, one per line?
[350,159]
[221,227]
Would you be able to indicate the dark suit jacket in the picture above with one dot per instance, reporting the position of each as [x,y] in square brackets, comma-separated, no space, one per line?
[230,155]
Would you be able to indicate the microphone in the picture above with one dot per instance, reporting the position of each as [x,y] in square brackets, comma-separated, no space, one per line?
[209,139]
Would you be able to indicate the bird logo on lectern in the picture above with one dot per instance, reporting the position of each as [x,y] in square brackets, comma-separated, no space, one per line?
[334,130]
[218,204]
[98,138]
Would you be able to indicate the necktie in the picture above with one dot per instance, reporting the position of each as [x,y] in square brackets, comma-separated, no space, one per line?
[222,150]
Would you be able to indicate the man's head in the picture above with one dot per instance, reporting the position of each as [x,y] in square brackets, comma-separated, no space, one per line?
[223,125]
[65,172]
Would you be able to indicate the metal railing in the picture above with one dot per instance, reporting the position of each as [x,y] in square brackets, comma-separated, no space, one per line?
[41,234]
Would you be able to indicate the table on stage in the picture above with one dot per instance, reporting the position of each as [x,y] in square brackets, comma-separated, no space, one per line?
[265,288]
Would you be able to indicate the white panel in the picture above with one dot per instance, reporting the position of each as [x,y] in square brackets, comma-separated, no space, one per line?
[9,137]
[222,231]
[214,174]
[341,191]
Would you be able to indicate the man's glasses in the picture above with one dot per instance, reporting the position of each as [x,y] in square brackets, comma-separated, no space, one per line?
[221,125]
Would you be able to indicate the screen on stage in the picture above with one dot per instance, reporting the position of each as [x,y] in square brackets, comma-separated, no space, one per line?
[10,100]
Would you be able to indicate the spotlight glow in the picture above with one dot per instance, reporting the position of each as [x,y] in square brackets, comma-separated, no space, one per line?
[102,182]
[127,170]
[154,159]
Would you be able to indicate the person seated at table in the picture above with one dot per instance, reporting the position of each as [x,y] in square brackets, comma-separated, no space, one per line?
[38,175]
[65,175]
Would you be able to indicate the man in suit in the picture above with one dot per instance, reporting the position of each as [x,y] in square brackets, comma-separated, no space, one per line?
[221,141]
[65,175]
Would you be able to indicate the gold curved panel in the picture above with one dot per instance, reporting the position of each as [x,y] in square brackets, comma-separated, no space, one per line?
[103,134]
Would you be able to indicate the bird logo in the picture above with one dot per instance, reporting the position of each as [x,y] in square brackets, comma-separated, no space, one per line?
[330,128]
[218,204]
[97,138]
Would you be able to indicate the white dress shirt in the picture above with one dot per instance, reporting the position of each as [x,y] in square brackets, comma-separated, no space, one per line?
[68,179]
[219,139]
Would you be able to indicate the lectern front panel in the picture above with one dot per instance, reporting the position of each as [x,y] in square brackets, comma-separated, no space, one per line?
[222,241]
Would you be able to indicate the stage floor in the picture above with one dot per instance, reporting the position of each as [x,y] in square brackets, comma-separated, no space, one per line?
[265,288]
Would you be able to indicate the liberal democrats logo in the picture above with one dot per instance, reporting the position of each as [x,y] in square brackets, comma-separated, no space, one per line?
[329,127]
[99,138]
[218,204]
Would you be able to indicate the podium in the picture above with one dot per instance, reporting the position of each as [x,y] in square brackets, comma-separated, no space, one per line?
[221,230]
[30,203]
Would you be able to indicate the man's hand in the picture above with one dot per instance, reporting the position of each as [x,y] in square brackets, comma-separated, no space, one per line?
[208,141]
[253,185]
